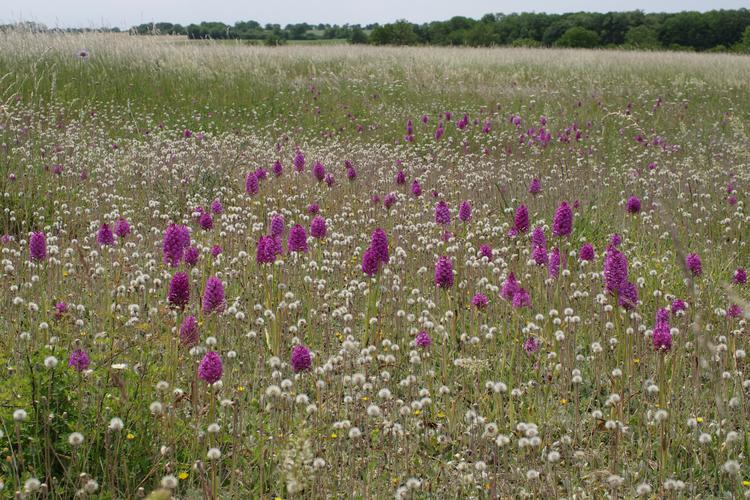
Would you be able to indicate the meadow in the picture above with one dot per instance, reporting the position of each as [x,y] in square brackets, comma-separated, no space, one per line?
[234,271]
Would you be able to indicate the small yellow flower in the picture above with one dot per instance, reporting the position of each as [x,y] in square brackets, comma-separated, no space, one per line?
[745,483]
[240,388]
[563,401]
[130,436]
[699,420]
[65,274]
[637,360]
[334,435]
[365,398]
[417,412]
[183,475]
[441,414]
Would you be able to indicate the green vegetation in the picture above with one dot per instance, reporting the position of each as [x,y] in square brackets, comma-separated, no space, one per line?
[415,388]
[715,30]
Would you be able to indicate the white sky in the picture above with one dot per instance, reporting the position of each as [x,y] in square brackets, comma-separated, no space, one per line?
[127,13]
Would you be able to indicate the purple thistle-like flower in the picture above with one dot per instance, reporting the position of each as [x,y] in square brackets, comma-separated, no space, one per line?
[104,236]
[439,131]
[263,253]
[677,306]
[480,301]
[442,213]
[510,287]
[521,219]
[615,270]
[301,359]
[586,252]
[313,208]
[734,311]
[213,296]
[38,246]
[189,335]
[278,225]
[297,241]
[537,237]
[662,336]
[535,187]
[693,263]
[370,262]
[562,225]
[553,264]
[423,340]
[740,276]
[615,240]
[400,177]
[319,171]
[318,228]
[628,296]
[351,174]
[210,368]
[521,299]
[261,174]
[191,256]
[464,211]
[176,239]
[531,345]
[206,221]
[251,184]
[485,251]
[444,272]
[539,254]
[662,315]
[122,227]
[79,360]
[216,250]
[299,162]
[60,309]
[389,200]
[179,290]
[277,168]
[416,188]
[379,244]
[633,205]
[216,206]
[330,180]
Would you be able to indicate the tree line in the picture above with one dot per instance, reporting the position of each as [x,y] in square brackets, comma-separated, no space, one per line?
[716,30]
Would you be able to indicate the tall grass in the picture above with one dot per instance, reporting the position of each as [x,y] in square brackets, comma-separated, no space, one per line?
[564,397]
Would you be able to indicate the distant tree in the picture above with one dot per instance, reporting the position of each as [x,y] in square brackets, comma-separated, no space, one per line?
[274,40]
[358,36]
[398,33]
[642,37]
[744,44]
[578,37]
[688,29]
[556,30]
[482,34]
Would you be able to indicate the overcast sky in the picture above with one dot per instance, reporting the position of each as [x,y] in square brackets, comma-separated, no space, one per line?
[126,13]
